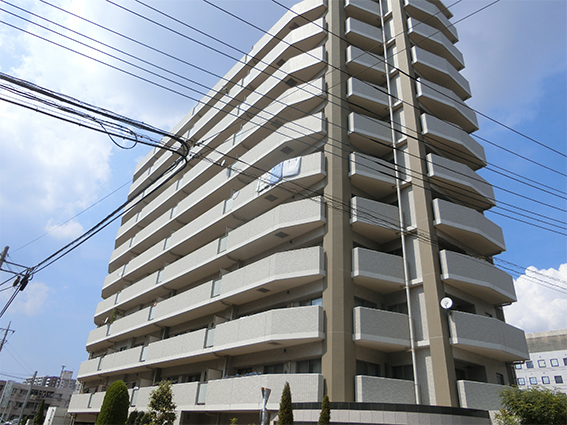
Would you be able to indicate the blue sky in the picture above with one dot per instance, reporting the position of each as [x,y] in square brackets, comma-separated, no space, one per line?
[515,56]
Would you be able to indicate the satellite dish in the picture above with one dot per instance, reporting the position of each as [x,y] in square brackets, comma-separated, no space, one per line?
[446,303]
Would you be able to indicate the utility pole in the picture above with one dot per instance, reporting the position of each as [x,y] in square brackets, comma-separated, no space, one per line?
[5,336]
[27,398]
[3,255]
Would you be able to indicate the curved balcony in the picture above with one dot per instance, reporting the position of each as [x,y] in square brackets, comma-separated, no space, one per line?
[446,105]
[367,99]
[372,389]
[214,221]
[364,36]
[367,11]
[487,336]
[454,143]
[438,70]
[283,327]
[428,12]
[460,182]
[365,66]
[254,281]
[469,227]
[477,277]
[381,330]
[372,136]
[383,273]
[373,175]
[375,220]
[435,42]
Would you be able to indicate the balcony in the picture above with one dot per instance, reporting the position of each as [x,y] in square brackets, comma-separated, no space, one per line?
[283,327]
[460,182]
[375,220]
[372,389]
[479,395]
[381,330]
[453,142]
[435,42]
[373,175]
[477,277]
[487,336]
[367,99]
[364,10]
[365,65]
[372,136]
[438,70]
[446,105]
[383,273]
[428,12]
[364,36]
[469,227]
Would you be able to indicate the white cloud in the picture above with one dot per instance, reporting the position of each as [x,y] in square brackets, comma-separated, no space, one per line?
[540,308]
[67,231]
[31,301]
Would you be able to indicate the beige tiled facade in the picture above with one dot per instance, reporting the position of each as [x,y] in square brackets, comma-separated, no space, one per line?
[330,201]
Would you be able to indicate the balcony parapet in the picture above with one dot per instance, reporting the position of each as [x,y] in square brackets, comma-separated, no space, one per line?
[462,183]
[365,65]
[380,329]
[428,12]
[479,395]
[371,135]
[469,227]
[367,99]
[375,220]
[373,389]
[477,277]
[367,11]
[381,272]
[364,36]
[487,336]
[373,175]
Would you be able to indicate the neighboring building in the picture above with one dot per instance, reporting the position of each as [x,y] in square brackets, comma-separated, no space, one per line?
[13,396]
[299,245]
[547,366]
[65,380]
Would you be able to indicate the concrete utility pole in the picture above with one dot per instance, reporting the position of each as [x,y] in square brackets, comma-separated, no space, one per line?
[27,398]
[3,255]
[5,336]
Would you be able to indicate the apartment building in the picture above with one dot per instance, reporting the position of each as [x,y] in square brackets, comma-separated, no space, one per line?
[330,202]
[547,366]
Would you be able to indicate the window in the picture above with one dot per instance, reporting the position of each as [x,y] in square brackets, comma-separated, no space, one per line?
[545,379]
[558,379]
[403,372]
[274,368]
[541,363]
[554,362]
[529,364]
[518,365]
[521,381]
[533,380]
[367,368]
[499,379]
[309,366]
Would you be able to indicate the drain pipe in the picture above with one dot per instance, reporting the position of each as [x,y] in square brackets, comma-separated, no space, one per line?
[400,211]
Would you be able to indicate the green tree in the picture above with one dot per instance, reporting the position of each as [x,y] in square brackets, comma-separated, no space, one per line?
[534,405]
[145,419]
[114,409]
[132,417]
[162,407]
[40,415]
[285,414]
[234,421]
[24,420]
[325,416]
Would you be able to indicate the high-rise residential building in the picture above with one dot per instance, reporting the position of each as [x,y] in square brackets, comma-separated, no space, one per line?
[331,201]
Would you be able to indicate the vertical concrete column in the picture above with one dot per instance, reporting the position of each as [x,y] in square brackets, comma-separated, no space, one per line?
[427,253]
[338,362]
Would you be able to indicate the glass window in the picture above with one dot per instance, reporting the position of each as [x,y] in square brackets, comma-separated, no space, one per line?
[518,365]
[274,368]
[554,362]
[541,363]
[521,381]
[499,379]
[558,379]
[533,380]
[545,379]
[309,366]
[367,368]
[529,364]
